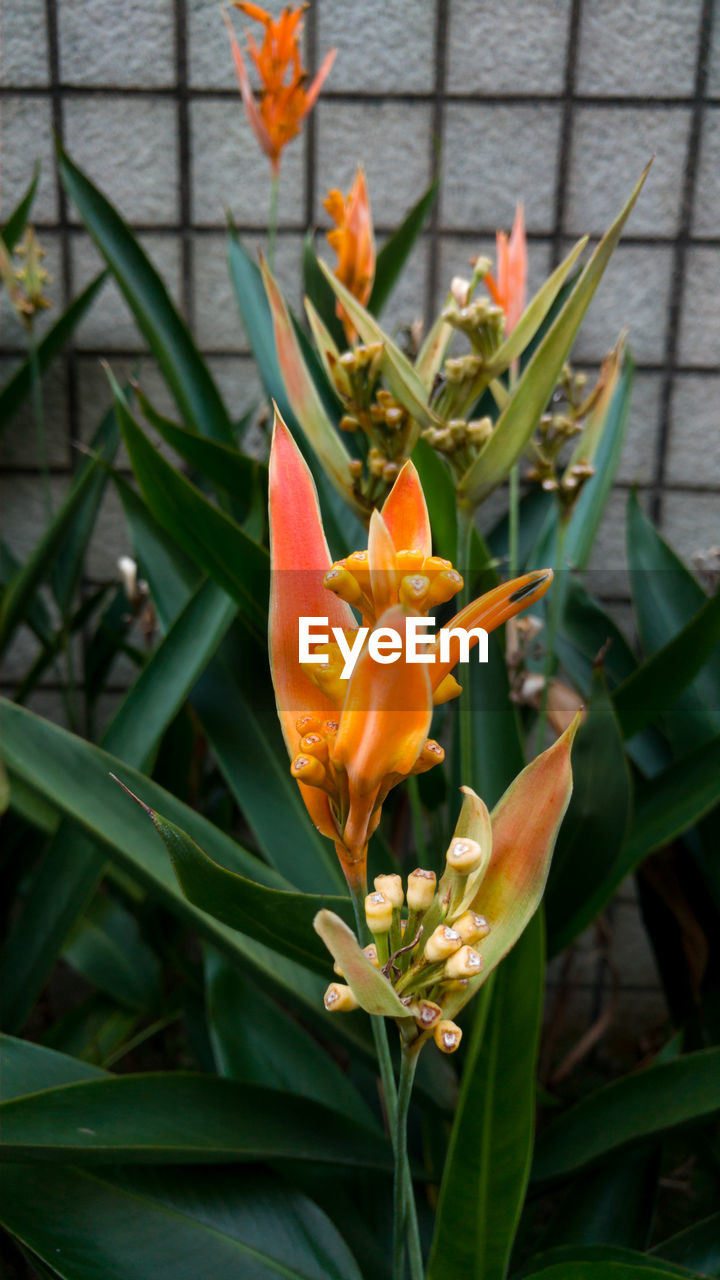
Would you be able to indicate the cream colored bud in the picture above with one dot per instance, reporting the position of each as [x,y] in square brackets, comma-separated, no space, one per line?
[471,927]
[391,886]
[421,886]
[339,999]
[460,288]
[427,1014]
[464,855]
[372,955]
[442,943]
[378,912]
[466,963]
[447,1036]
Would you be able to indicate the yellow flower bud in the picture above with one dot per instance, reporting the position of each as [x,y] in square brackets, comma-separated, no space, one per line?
[420,889]
[442,943]
[464,855]
[308,769]
[371,952]
[447,1036]
[471,926]
[339,999]
[391,886]
[427,1014]
[378,912]
[314,744]
[466,963]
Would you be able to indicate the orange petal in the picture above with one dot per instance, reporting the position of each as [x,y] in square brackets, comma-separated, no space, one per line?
[490,611]
[383,727]
[405,513]
[516,291]
[317,84]
[525,824]
[383,569]
[251,108]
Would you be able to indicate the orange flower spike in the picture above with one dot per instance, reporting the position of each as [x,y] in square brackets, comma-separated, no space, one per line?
[300,558]
[354,243]
[284,98]
[509,290]
[405,512]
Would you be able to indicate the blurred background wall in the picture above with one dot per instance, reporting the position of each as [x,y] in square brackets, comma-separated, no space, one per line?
[555,102]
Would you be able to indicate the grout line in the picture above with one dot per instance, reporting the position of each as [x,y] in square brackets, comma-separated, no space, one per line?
[359,97]
[565,144]
[678,278]
[184,162]
[436,143]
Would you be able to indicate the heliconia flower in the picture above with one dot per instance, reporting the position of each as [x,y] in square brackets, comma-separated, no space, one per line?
[352,739]
[508,288]
[353,240]
[285,98]
[497,868]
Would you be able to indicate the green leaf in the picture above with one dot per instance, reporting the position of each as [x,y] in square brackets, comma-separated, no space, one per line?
[320,294]
[28,1068]
[697,1247]
[666,597]
[439,489]
[105,946]
[14,226]
[209,536]
[370,988]
[182,366]
[230,1223]
[256,1041]
[536,312]
[644,696]
[19,385]
[164,683]
[176,1117]
[603,1264]
[640,1105]
[274,917]
[672,801]
[519,419]
[394,254]
[612,1204]
[172,575]
[222,464]
[488,1159]
[581,875]
[20,589]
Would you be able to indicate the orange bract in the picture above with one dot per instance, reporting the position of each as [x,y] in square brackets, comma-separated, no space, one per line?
[354,243]
[351,739]
[285,98]
[509,289]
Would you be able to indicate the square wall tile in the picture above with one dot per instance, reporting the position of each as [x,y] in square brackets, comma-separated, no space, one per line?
[694,446]
[380,46]
[22,501]
[129,148]
[110,325]
[117,45]
[24,44]
[634,292]
[13,330]
[637,463]
[230,172]
[713,86]
[110,540]
[706,215]
[20,443]
[510,48]
[210,53]
[239,384]
[610,148]
[494,156]
[607,574]
[638,48]
[94,398]
[392,141]
[691,522]
[27,136]
[218,326]
[700,319]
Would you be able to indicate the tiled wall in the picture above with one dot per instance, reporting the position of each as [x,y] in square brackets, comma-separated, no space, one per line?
[557,102]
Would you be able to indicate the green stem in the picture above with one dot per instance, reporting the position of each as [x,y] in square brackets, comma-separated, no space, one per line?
[405,1228]
[514,518]
[273,217]
[417,820]
[466,522]
[39,420]
[553,620]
